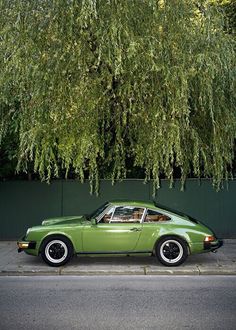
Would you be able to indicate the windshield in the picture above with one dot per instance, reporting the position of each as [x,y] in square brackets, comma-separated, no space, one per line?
[98,211]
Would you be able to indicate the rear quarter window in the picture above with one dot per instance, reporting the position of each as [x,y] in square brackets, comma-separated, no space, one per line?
[154,216]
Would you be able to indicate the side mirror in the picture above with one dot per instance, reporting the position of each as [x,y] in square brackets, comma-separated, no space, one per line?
[93,221]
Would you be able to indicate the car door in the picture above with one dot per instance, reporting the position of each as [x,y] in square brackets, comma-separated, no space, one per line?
[118,231]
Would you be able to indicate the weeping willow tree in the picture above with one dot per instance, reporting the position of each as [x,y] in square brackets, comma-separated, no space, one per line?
[92,83]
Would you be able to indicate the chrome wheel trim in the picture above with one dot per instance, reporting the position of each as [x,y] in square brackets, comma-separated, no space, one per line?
[175,252]
[56,248]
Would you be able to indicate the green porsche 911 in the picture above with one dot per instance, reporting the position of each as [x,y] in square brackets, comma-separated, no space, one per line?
[124,228]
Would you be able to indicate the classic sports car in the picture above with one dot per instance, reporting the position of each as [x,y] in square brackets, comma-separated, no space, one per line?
[125,228]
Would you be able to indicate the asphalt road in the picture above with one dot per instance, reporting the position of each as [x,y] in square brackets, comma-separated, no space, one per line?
[118,302]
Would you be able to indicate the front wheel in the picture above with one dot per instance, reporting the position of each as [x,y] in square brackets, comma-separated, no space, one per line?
[56,251]
[171,251]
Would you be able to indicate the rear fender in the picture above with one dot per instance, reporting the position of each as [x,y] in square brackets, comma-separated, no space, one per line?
[172,235]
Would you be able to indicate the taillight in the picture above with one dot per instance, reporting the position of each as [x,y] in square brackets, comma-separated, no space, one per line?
[210,239]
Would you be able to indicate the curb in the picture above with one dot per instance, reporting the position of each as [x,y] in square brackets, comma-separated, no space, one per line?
[168,272]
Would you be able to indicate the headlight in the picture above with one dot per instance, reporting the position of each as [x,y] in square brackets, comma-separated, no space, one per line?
[210,239]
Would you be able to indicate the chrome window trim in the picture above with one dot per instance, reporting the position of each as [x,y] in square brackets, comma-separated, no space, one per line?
[101,215]
[144,215]
[112,213]
[142,220]
[115,206]
[158,211]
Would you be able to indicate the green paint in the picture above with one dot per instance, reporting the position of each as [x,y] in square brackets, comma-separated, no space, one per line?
[93,238]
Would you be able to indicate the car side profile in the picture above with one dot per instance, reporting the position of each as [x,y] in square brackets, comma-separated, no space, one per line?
[120,227]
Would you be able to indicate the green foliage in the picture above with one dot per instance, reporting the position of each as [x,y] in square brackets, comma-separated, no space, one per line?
[91,83]
[229,9]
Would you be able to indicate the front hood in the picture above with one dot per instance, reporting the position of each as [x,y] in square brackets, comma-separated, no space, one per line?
[72,220]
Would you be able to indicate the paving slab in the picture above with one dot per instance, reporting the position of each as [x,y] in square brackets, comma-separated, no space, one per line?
[221,263]
[181,270]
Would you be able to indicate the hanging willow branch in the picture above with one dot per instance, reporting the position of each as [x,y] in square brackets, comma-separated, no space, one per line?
[91,82]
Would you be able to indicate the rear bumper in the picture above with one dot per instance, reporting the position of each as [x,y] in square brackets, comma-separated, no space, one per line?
[212,246]
[24,245]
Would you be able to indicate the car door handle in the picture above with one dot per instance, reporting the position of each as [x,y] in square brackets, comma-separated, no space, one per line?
[135,229]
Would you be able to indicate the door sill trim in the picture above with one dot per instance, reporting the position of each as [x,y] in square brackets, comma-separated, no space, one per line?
[114,252]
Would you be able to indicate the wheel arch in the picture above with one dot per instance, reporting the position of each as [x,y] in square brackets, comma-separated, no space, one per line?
[55,235]
[174,236]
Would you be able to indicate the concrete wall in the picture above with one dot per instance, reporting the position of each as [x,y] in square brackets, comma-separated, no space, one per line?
[24,203]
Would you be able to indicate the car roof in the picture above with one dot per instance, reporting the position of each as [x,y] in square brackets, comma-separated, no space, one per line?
[138,203]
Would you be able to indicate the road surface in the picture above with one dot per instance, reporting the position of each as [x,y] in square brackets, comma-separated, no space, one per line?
[118,302]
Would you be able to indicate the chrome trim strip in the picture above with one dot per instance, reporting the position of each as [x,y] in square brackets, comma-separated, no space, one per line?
[113,252]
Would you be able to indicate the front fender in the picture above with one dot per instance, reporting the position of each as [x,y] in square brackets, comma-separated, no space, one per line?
[73,234]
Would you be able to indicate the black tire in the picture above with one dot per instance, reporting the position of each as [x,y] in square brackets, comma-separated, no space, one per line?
[56,250]
[171,251]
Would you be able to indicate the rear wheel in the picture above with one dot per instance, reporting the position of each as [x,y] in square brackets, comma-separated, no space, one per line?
[56,251]
[171,251]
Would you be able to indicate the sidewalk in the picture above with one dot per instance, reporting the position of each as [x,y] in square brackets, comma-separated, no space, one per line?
[221,263]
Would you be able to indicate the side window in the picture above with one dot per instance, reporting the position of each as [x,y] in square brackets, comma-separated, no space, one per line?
[127,214]
[154,216]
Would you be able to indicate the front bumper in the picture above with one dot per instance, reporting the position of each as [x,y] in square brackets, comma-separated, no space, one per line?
[24,245]
[212,246]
